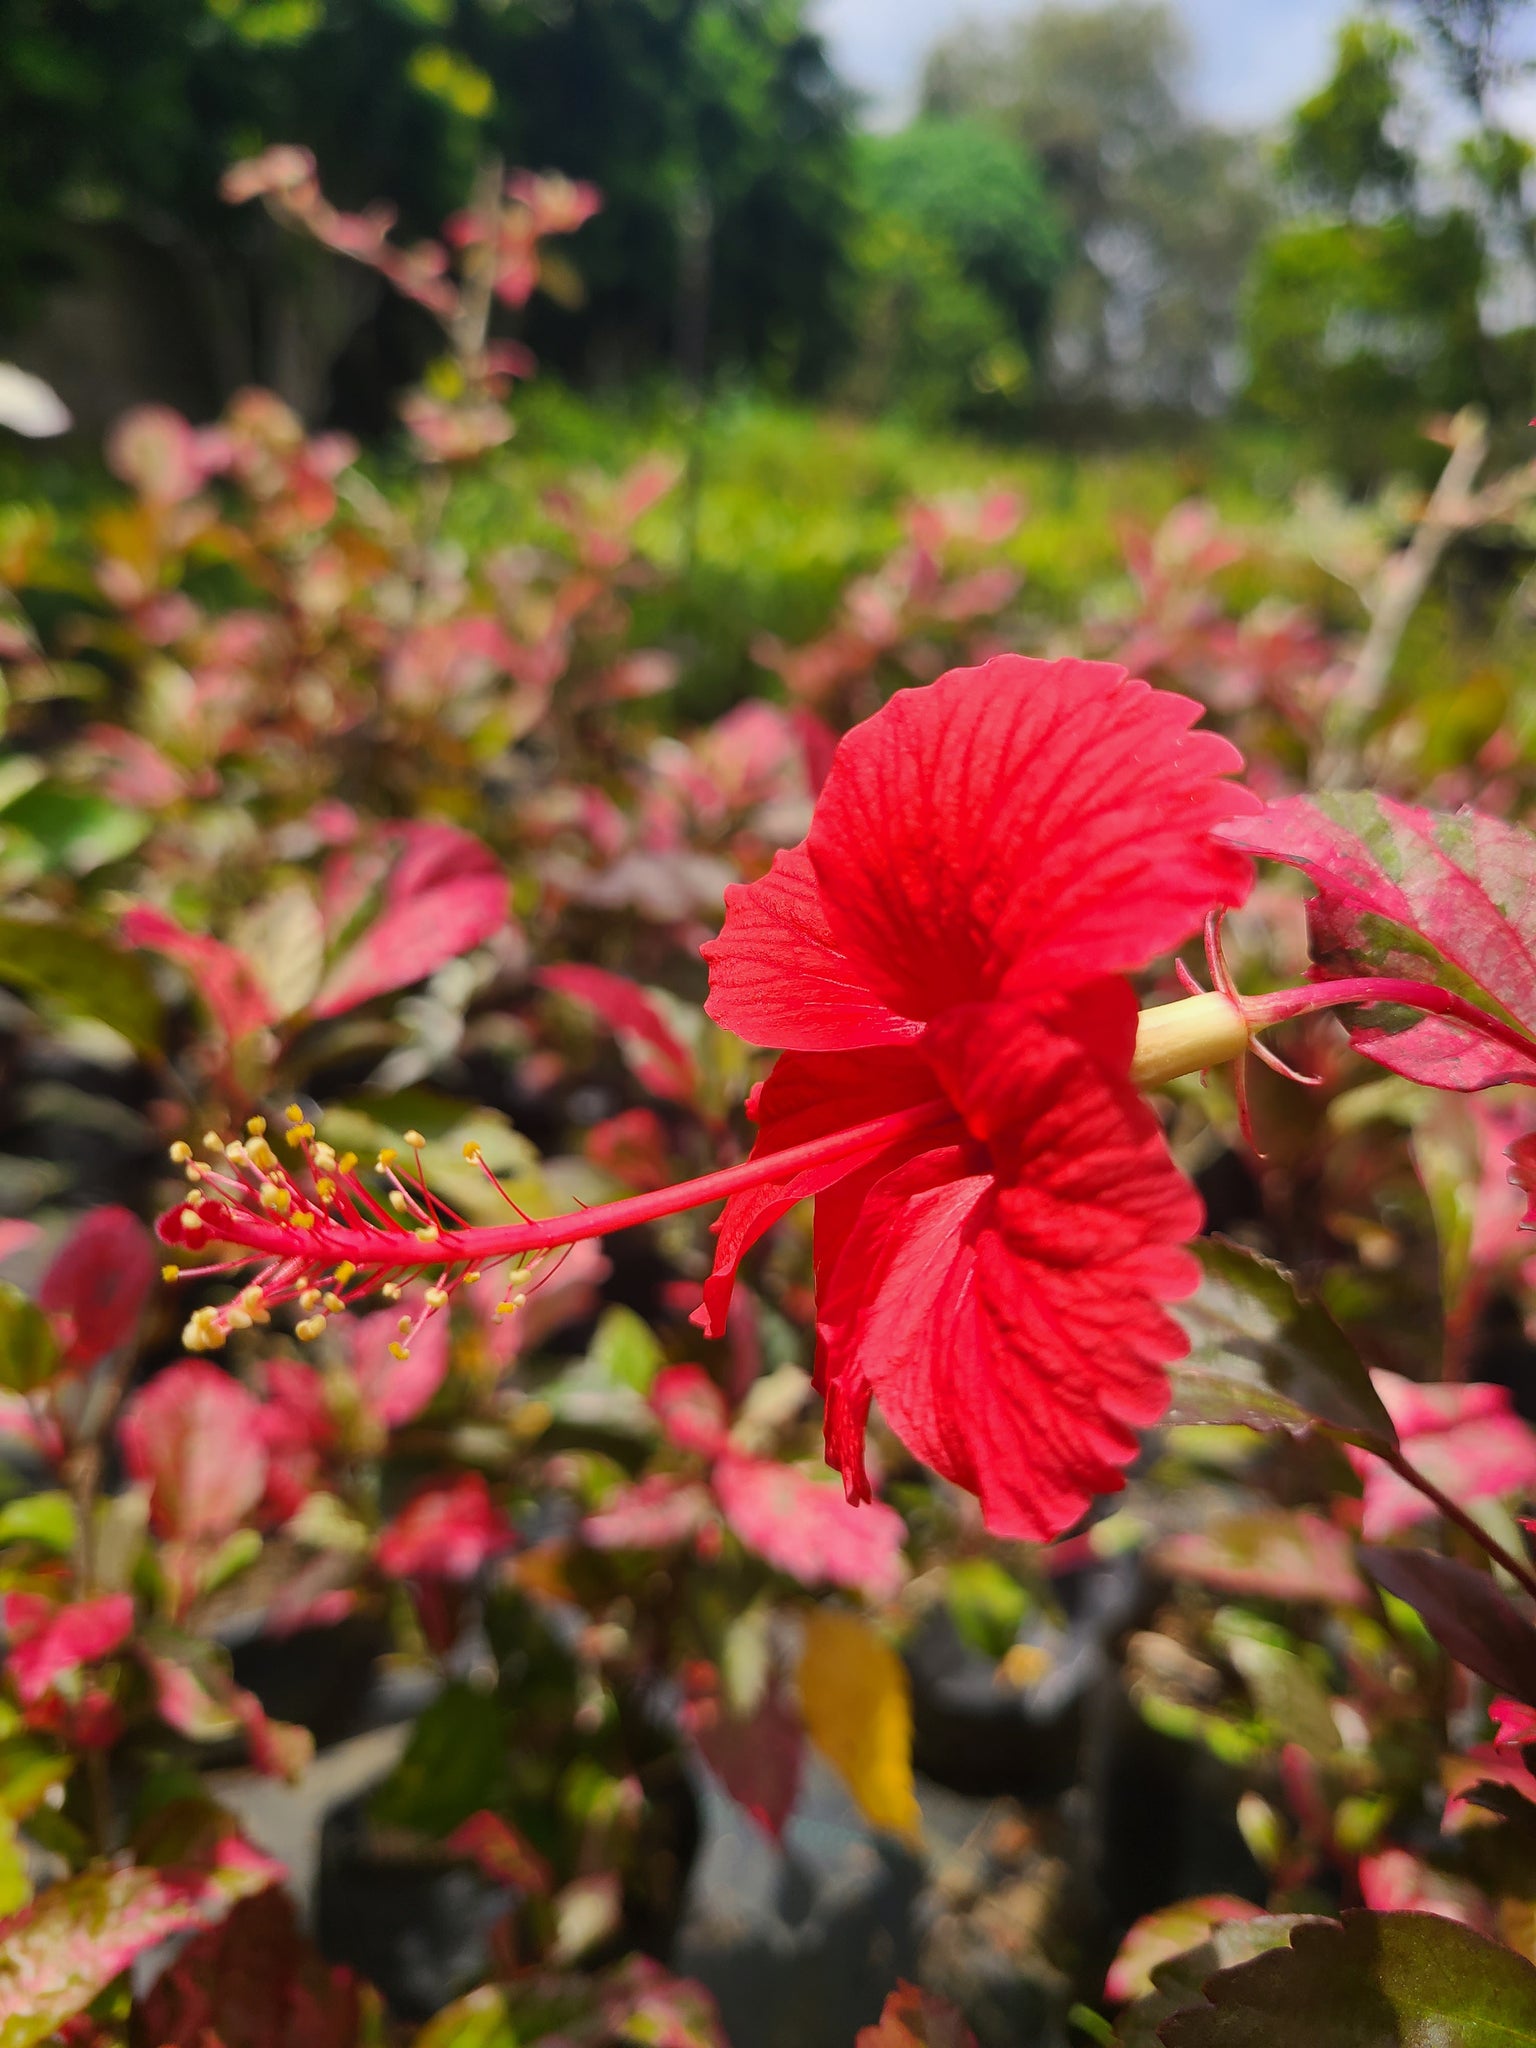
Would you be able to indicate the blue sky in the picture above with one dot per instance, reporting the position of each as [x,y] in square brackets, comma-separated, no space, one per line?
[1254,58]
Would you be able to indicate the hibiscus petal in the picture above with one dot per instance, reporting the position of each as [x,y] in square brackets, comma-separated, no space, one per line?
[1020,825]
[808,1095]
[776,977]
[1010,1322]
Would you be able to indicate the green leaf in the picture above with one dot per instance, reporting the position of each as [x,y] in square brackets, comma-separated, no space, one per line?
[455,1764]
[986,1604]
[74,830]
[1379,1980]
[29,1770]
[28,1355]
[625,1351]
[480,2020]
[1262,1356]
[84,976]
[45,1518]
[1177,1983]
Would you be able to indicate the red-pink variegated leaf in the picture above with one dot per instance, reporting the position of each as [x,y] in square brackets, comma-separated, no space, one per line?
[914,2018]
[194,1436]
[448,1531]
[500,1853]
[806,1528]
[223,978]
[1168,1932]
[656,1513]
[97,1284]
[1515,1721]
[756,1757]
[395,1390]
[690,1408]
[1393,1881]
[445,893]
[68,1945]
[1423,896]
[1465,1437]
[1277,1555]
[653,1051]
[43,1641]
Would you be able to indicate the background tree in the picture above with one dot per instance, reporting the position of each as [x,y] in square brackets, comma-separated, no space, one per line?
[1163,209]
[118,116]
[1373,306]
[958,253]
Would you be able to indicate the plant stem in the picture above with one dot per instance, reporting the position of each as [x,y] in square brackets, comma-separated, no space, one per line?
[1453,1512]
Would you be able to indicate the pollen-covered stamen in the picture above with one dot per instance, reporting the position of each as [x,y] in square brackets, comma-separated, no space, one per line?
[330,1241]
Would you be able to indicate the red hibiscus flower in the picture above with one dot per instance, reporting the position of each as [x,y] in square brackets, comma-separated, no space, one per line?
[988,856]
[942,963]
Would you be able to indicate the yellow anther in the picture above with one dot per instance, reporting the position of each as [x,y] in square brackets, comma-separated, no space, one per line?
[391,1290]
[399,1351]
[415,1140]
[275,1200]
[437,1297]
[344,1272]
[332,1303]
[299,1134]
[170,1272]
[325,1156]
[387,1158]
[181,1152]
[203,1331]
[470,1279]
[398,1201]
[196,1198]
[519,1301]
[304,1218]
[325,1189]
[212,1142]
[190,1220]
[472,1150]
[506,1308]
[237,1319]
[261,1155]
[308,1330]
[252,1297]
[294,1114]
[234,1152]
[256,1126]
[428,1234]
[195,1173]
[309,1298]
[347,1163]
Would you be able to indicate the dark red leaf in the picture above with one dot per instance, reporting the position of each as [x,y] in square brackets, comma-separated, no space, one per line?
[1466,1614]
[254,1981]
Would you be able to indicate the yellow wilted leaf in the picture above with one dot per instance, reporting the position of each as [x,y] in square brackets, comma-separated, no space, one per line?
[858,1712]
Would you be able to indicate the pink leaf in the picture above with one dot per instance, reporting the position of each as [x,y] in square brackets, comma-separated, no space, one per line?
[222,977]
[395,1390]
[97,1284]
[445,893]
[448,1531]
[1420,895]
[194,1436]
[15,1236]
[652,1050]
[297,1431]
[806,1528]
[157,452]
[44,1642]
[690,1408]
[500,1853]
